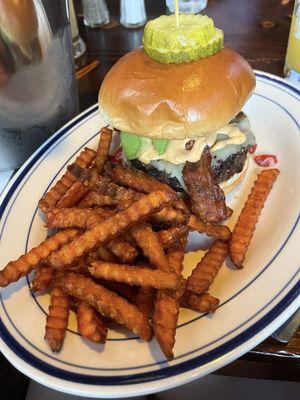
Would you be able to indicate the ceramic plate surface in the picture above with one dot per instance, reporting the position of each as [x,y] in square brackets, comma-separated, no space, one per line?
[254,301]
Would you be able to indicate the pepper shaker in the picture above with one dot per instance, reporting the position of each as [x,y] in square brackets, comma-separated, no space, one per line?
[133,13]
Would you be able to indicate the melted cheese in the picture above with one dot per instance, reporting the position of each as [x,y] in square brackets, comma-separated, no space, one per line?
[177,153]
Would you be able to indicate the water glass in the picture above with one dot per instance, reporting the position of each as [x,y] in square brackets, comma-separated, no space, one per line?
[292,60]
[38,88]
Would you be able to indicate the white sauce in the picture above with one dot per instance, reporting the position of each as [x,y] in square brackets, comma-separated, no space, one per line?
[234,136]
[176,153]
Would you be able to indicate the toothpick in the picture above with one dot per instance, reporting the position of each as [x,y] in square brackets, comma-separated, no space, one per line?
[176,12]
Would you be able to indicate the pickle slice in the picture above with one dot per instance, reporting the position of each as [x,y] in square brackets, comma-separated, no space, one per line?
[195,37]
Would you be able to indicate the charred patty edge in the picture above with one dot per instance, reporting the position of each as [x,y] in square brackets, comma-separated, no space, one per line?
[223,171]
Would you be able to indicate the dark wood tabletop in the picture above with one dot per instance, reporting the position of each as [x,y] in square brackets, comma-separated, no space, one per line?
[257,29]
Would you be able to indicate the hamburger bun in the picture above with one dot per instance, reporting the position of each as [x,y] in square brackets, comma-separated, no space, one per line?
[175,101]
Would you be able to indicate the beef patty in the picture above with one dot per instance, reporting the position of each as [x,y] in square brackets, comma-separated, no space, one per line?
[223,169]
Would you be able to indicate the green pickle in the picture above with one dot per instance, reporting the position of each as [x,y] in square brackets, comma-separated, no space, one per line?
[196,37]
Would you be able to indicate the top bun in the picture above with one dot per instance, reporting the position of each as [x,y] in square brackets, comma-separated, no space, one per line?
[175,101]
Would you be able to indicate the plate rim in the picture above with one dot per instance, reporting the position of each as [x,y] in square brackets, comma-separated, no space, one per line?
[291,299]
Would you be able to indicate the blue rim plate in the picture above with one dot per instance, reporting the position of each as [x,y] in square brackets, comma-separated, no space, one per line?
[254,301]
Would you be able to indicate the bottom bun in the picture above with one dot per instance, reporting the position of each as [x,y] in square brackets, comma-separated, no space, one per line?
[232,182]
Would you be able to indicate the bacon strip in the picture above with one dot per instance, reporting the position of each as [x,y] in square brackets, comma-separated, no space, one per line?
[208,200]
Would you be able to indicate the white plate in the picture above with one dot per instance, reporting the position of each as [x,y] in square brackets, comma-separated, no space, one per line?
[254,301]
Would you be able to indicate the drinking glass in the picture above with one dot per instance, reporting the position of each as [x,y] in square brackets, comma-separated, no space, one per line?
[292,60]
[38,90]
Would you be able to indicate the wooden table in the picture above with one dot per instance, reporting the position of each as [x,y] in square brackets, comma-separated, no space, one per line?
[257,29]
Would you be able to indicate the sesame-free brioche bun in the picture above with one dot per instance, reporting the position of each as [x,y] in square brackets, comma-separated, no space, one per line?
[175,101]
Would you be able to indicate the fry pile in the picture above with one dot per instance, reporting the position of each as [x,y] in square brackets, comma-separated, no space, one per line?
[117,254]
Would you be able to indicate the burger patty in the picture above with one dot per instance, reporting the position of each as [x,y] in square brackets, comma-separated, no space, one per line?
[234,164]
[223,170]
[156,173]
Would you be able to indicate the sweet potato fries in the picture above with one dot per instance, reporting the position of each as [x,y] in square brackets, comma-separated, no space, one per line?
[118,251]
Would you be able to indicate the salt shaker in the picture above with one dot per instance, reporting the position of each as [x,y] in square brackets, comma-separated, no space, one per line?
[133,13]
[95,13]
[187,6]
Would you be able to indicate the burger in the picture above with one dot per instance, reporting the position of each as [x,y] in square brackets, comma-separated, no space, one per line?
[182,123]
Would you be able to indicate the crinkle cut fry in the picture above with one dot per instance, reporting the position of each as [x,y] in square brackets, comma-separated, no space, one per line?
[73,196]
[134,179]
[103,149]
[97,199]
[107,303]
[105,186]
[199,302]
[245,226]
[105,254]
[145,299]
[89,323]
[166,309]
[221,232]
[43,278]
[175,255]
[141,182]
[82,218]
[122,289]
[57,319]
[85,218]
[123,250]
[166,216]
[206,270]
[170,236]
[165,317]
[51,198]
[169,215]
[110,228]
[31,260]
[134,275]
[151,246]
